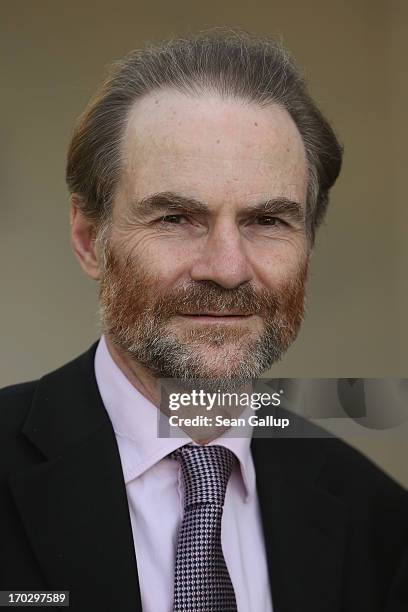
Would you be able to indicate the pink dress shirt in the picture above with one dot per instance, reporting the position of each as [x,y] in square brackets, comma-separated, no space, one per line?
[155,498]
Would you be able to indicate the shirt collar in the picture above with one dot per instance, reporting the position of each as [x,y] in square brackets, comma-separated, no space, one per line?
[135,419]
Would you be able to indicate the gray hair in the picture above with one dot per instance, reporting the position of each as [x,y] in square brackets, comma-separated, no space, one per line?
[229,62]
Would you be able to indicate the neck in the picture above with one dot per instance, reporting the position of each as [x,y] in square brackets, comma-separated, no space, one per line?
[146,383]
[138,375]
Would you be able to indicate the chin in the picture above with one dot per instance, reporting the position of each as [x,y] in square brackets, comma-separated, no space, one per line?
[221,361]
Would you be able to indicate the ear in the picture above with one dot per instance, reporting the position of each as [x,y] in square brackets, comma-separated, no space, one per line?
[83,233]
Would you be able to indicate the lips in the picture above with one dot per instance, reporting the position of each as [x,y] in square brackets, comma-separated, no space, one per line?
[215,314]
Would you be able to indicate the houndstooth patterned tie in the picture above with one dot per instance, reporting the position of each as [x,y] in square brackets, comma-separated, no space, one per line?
[202,582]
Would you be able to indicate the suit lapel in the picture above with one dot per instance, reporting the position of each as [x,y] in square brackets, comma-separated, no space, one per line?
[73,505]
[304,526]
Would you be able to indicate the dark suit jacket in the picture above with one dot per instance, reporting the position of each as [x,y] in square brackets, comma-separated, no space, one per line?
[335,526]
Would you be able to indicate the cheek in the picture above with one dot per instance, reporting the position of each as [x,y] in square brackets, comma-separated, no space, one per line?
[160,254]
[280,264]
[168,261]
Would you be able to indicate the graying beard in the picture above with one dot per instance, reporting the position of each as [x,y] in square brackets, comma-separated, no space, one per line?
[166,357]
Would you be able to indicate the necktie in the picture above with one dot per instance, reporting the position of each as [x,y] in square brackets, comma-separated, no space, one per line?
[202,582]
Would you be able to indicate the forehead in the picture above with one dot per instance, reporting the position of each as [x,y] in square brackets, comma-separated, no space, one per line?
[213,148]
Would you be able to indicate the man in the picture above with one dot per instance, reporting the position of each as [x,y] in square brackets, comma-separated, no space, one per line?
[199,174]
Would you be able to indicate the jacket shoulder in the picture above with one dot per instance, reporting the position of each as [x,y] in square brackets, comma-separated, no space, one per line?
[44,406]
[15,401]
[354,476]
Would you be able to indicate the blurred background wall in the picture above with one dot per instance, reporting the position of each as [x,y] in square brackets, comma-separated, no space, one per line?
[353,52]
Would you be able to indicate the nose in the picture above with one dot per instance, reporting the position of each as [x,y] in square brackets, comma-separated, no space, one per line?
[222,258]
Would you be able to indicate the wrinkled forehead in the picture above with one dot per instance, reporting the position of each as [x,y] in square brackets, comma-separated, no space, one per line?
[212,146]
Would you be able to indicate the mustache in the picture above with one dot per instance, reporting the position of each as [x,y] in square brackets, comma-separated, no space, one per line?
[208,296]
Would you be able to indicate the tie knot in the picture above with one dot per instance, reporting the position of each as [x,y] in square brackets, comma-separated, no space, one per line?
[206,471]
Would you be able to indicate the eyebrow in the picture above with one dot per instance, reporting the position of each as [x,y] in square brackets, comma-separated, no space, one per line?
[168,200]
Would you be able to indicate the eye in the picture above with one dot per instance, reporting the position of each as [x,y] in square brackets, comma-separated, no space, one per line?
[173,219]
[268,220]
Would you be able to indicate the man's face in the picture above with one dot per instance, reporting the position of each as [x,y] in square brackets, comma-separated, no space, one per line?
[207,254]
